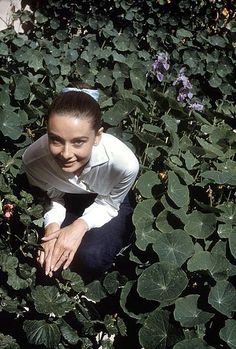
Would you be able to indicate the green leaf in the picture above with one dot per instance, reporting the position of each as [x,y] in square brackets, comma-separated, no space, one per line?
[187,312]
[138,76]
[155,331]
[228,212]
[4,98]
[119,111]
[146,182]
[193,343]
[162,282]
[200,225]
[174,247]
[217,40]
[8,263]
[190,160]
[223,298]
[22,87]
[61,34]
[104,77]
[112,282]
[16,282]
[72,55]
[40,332]
[209,148]
[123,298]
[68,333]
[8,342]
[232,242]
[3,49]
[216,264]
[162,222]
[178,192]
[40,17]
[215,81]
[95,291]
[35,61]
[48,300]
[228,333]
[10,124]
[183,33]
[143,220]
[220,177]
[75,279]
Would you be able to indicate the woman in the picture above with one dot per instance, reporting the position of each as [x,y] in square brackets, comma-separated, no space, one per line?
[87,174]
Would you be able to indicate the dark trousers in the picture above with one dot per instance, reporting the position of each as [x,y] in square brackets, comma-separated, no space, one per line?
[99,246]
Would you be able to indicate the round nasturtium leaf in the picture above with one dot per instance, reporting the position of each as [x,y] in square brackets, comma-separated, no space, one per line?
[152,153]
[41,332]
[187,312]
[217,264]
[48,300]
[215,81]
[22,87]
[143,220]
[162,282]
[174,247]
[228,333]
[232,242]
[138,77]
[228,212]
[200,225]
[223,298]
[178,192]
[224,230]
[154,333]
[162,222]
[10,124]
[193,343]
[69,333]
[146,182]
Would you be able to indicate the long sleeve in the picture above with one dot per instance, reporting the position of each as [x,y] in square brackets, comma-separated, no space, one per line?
[57,213]
[106,207]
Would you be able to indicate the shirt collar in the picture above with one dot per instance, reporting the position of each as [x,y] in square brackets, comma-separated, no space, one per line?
[98,157]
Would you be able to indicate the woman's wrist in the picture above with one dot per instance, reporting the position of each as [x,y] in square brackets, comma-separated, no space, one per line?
[51,228]
[81,225]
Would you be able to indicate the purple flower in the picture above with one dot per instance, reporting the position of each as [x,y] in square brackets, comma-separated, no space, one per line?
[184,93]
[183,79]
[160,66]
[196,106]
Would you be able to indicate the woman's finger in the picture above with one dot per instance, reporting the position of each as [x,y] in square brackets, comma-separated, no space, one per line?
[68,261]
[63,258]
[51,236]
[41,257]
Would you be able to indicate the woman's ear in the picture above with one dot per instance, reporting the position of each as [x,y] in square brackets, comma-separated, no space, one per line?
[98,136]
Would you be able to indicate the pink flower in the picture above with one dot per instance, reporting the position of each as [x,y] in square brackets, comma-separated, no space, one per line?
[8,211]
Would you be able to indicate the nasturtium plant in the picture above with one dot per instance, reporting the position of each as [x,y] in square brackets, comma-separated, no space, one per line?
[165,71]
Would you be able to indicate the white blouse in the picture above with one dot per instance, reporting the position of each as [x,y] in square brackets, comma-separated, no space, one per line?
[110,173]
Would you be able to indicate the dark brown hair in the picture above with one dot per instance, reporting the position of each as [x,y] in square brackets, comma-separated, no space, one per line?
[77,104]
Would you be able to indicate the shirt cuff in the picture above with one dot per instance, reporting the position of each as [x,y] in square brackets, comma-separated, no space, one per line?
[97,215]
[57,214]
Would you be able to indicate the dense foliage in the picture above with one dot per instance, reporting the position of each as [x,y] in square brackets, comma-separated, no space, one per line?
[166,72]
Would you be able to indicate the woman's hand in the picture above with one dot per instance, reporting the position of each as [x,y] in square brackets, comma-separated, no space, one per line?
[45,255]
[65,244]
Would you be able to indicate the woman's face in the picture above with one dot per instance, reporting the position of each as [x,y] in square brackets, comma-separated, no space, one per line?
[71,141]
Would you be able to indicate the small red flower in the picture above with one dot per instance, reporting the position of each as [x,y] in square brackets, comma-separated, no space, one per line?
[8,211]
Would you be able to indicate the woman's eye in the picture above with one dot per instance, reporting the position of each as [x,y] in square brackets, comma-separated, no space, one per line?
[78,143]
[54,141]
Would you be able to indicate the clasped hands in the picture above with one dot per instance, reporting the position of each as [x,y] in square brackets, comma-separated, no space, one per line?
[59,245]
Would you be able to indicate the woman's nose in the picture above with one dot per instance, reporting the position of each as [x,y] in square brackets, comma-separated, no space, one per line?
[66,152]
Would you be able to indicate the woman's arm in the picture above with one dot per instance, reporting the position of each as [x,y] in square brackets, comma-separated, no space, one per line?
[61,245]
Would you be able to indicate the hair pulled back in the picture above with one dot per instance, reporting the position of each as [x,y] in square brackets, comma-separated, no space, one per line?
[79,105]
